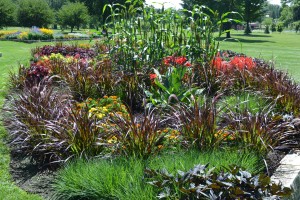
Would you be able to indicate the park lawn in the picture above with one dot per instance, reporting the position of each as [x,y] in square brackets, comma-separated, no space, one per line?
[281,48]
[13,53]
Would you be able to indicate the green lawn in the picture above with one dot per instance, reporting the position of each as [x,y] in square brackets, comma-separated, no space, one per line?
[12,54]
[283,49]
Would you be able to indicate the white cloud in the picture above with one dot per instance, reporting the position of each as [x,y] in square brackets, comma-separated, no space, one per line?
[167,3]
[275,2]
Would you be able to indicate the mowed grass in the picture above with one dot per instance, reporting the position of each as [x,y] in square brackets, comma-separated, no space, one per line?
[281,48]
[13,54]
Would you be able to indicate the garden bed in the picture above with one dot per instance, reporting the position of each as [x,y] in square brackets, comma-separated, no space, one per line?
[131,100]
[52,40]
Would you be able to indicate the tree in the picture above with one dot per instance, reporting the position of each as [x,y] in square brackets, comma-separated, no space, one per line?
[95,8]
[7,8]
[267,22]
[34,13]
[273,10]
[56,4]
[222,6]
[286,15]
[251,10]
[279,27]
[296,10]
[73,15]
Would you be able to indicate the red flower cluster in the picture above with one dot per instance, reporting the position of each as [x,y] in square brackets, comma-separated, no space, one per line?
[180,60]
[238,62]
[152,76]
[242,62]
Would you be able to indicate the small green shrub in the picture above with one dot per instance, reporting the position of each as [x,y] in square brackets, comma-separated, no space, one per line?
[244,101]
[280,27]
[273,27]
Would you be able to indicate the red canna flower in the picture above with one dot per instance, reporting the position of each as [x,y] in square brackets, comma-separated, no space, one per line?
[217,63]
[180,60]
[169,60]
[153,76]
[242,63]
[187,64]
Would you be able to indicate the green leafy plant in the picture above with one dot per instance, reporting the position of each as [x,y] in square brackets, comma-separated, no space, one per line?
[202,183]
[174,85]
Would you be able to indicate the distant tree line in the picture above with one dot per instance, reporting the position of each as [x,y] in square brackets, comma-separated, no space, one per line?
[43,13]
[78,13]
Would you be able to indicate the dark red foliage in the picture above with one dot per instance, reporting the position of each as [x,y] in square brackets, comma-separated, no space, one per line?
[65,51]
[38,70]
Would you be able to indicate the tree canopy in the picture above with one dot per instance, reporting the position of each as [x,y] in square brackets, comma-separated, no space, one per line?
[73,15]
[34,13]
[95,8]
[250,10]
[7,8]
[222,6]
[56,4]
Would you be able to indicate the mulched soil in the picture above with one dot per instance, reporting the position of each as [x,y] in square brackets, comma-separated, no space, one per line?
[31,177]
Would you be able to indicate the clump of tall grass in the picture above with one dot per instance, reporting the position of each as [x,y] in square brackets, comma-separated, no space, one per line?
[122,178]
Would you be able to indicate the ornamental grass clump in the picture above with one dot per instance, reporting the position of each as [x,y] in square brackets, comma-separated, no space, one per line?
[138,136]
[258,131]
[280,86]
[198,123]
[29,116]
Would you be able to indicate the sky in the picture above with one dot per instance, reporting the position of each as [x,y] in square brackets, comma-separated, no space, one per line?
[176,3]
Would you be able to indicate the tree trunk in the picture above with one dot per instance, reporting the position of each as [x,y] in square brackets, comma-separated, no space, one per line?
[248,28]
[227,27]
[228,34]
